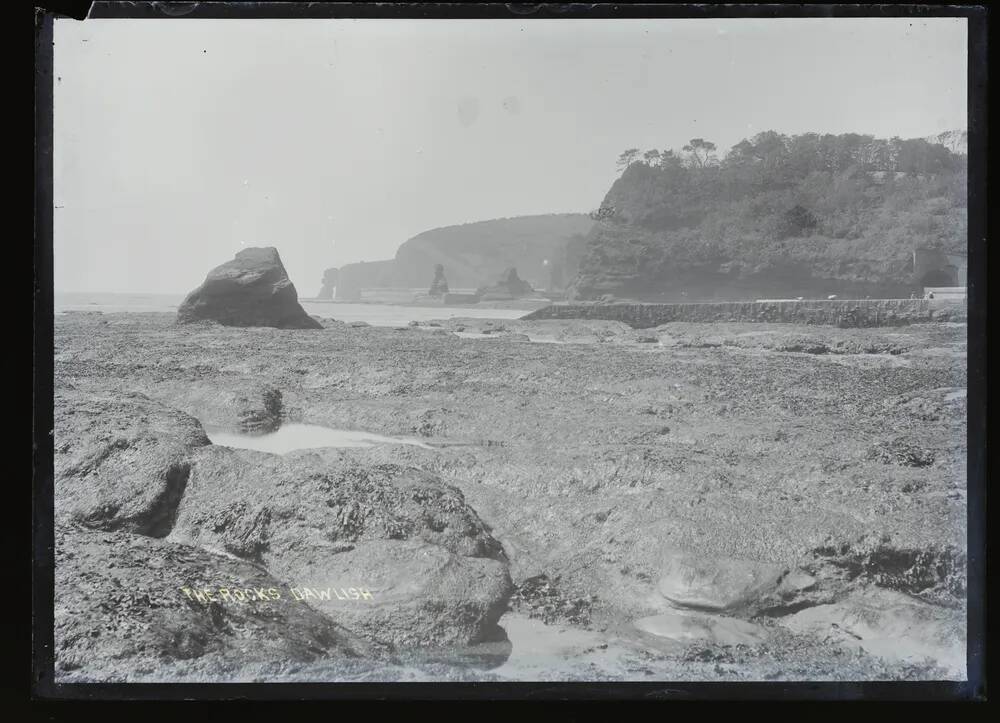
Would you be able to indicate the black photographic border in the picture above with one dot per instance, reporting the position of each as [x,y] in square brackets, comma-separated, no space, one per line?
[43,687]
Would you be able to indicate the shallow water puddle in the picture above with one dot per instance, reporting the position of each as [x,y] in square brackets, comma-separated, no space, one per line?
[291,437]
[684,628]
[537,647]
[481,335]
[890,625]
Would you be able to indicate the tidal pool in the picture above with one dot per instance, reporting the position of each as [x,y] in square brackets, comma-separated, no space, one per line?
[291,437]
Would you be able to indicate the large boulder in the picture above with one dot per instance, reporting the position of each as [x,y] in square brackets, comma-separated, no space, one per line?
[390,552]
[251,290]
[405,593]
[690,580]
[121,460]
[509,286]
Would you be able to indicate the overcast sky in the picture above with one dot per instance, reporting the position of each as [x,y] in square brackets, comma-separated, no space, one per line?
[177,142]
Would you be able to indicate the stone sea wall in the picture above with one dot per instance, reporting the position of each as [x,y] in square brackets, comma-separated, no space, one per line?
[842,313]
[453,298]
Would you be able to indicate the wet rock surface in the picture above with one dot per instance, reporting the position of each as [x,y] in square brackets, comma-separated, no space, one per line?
[422,596]
[431,573]
[935,573]
[251,290]
[325,498]
[891,625]
[902,451]
[122,460]
[694,581]
[434,573]
[260,411]
[539,597]
[560,449]
[122,614]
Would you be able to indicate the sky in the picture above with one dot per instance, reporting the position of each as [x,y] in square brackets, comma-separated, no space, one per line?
[179,142]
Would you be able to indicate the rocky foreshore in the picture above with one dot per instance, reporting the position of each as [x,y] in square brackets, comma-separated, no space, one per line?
[689,501]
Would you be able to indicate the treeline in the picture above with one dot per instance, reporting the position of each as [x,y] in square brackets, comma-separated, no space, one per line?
[850,207]
[774,157]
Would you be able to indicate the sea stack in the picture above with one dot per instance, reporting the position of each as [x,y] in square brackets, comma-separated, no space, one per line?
[251,290]
[510,286]
[439,286]
[329,284]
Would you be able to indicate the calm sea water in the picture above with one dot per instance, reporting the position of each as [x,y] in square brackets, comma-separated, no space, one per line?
[374,314]
[113,303]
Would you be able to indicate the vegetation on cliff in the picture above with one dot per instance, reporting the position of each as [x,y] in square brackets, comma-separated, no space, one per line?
[776,214]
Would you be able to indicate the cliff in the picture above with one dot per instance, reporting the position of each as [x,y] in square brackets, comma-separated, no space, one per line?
[352,278]
[777,217]
[475,254]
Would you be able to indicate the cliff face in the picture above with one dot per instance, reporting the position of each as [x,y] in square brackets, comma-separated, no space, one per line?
[778,217]
[352,278]
[475,254]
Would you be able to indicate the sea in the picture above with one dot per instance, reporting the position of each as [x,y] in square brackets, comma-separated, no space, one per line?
[374,314]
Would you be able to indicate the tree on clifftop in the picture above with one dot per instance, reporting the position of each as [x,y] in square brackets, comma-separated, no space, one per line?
[669,160]
[628,156]
[700,152]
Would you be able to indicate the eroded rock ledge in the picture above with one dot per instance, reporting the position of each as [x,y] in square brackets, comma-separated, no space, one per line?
[131,471]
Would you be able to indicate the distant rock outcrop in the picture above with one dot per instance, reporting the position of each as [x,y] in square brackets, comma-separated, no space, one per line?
[329,284]
[251,290]
[476,252]
[439,286]
[510,286]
